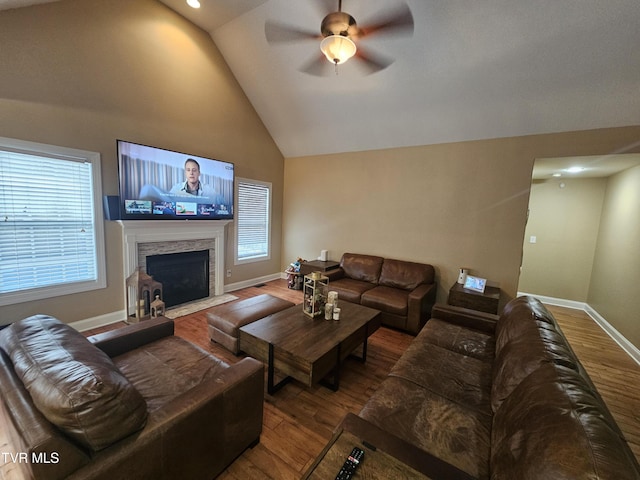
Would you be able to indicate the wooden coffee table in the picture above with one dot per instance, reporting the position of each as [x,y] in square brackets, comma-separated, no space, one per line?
[307,349]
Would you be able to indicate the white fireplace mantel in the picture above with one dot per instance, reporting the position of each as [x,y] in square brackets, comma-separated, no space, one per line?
[135,232]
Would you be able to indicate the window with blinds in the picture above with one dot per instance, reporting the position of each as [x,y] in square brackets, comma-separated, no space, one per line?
[51,239]
[253,210]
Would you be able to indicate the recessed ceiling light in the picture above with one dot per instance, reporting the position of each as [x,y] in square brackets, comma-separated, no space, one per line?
[557,174]
[575,169]
[193,3]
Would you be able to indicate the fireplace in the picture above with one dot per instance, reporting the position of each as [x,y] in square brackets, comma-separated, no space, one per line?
[144,238]
[184,275]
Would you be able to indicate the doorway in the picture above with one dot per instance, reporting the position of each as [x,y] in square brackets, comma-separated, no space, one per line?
[569,197]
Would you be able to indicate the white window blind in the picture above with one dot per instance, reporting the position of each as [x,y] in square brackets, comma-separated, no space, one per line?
[48,233]
[253,220]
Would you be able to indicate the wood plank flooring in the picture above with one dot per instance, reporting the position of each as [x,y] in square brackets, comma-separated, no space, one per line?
[298,421]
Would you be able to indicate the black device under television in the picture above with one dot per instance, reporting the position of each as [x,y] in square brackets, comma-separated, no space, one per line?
[160,184]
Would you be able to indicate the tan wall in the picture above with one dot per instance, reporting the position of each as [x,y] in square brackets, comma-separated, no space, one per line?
[614,291]
[451,205]
[565,222]
[82,73]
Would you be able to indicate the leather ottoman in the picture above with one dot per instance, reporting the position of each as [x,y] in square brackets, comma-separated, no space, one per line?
[225,320]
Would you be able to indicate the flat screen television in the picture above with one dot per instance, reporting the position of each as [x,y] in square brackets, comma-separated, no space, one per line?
[159,184]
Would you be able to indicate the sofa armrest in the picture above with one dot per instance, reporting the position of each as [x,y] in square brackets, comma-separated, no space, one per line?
[240,388]
[116,342]
[333,275]
[420,302]
[375,437]
[195,435]
[466,317]
[224,413]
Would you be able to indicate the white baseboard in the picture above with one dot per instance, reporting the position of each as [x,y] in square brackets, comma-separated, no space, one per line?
[617,337]
[250,283]
[119,316]
[558,302]
[99,321]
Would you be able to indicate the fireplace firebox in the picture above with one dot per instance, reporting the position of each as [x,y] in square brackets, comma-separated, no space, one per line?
[184,275]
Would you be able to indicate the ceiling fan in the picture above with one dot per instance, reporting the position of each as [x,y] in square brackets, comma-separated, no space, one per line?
[339,38]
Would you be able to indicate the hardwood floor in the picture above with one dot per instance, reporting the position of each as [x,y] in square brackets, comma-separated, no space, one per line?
[298,421]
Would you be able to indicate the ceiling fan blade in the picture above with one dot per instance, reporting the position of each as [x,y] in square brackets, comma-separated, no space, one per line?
[280,33]
[372,62]
[398,20]
[319,66]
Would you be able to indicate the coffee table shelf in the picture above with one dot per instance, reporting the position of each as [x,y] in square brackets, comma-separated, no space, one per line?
[308,349]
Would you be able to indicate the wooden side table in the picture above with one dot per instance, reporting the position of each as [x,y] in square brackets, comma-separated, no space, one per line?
[318,266]
[488,302]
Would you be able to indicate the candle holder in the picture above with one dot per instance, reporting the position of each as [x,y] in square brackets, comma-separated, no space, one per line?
[144,288]
[157,307]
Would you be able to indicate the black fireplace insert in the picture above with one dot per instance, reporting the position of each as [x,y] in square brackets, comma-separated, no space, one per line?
[184,276]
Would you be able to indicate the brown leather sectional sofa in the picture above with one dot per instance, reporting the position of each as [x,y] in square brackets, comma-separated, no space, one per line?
[479,397]
[404,292]
[137,402]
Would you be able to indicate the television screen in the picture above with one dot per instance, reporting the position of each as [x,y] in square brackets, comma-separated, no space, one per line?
[160,184]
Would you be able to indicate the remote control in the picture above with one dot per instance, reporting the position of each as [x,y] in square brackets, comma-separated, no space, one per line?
[350,464]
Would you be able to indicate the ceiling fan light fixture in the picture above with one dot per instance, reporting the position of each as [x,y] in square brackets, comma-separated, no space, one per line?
[338,48]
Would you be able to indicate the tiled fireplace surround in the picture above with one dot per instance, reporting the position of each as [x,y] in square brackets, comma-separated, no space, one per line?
[154,237]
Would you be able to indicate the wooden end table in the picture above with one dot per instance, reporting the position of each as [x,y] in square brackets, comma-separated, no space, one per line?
[307,349]
[487,301]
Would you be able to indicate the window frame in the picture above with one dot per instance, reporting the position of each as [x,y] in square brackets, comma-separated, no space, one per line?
[68,154]
[267,256]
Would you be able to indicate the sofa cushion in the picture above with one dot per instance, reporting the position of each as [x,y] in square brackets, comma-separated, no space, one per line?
[387,299]
[554,426]
[515,320]
[365,268]
[349,289]
[520,357]
[166,368]
[74,384]
[460,339]
[527,336]
[457,435]
[405,275]
[458,378]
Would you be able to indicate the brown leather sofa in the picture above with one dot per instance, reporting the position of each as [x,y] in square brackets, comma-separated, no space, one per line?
[404,292]
[479,397]
[136,402]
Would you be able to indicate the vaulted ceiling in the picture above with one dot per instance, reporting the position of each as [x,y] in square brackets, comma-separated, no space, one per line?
[470,70]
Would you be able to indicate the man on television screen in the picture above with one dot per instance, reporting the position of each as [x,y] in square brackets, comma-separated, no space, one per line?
[192,184]
[190,187]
